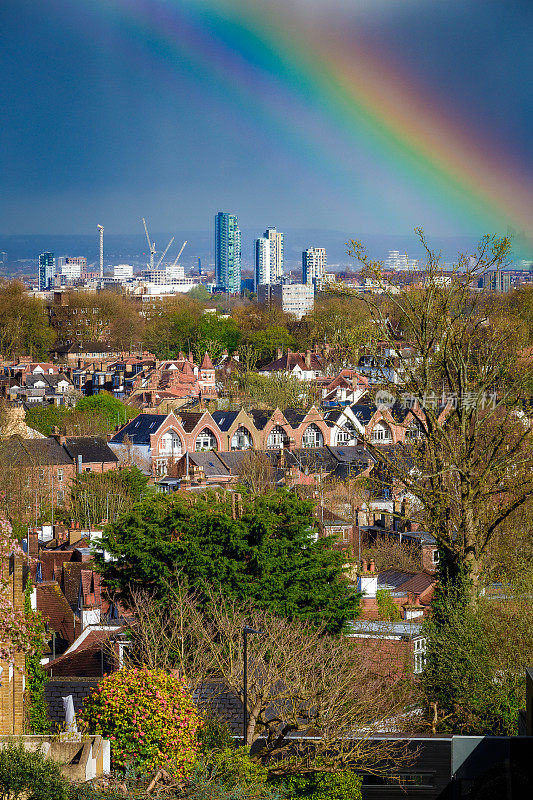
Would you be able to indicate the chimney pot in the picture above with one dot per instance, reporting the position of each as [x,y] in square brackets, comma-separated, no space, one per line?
[372,565]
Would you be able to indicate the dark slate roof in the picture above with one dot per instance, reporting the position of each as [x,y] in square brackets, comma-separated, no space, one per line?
[224,419]
[190,419]
[140,429]
[393,578]
[364,412]
[260,417]
[210,462]
[294,417]
[90,448]
[39,452]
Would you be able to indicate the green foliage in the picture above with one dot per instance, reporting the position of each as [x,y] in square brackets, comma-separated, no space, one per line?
[214,734]
[150,717]
[24,327]
[387,608]
[94,415]
[30,776]
[475,667]
[36,678]
[269,555]
[45,418]
[199,293]
[215,334]
[344,785]
[267,341]
[234,777]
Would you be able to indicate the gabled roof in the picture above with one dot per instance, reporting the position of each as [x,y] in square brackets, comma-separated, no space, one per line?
[224,419]
[36,452]
[417,584]
[190,419]
[294,417]
[54,607]
[91,449]
[260,417]
[139,429]
[363,412]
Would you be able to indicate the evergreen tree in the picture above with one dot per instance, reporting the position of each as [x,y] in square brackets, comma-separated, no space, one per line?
[270,554]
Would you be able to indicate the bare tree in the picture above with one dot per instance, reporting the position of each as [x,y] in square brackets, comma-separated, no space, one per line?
[314,702]
[459,373]
[257,472]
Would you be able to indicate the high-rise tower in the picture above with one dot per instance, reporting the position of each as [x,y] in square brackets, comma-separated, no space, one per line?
[314,265]
[276,254]
[227,252]
[262,261]
[47,268]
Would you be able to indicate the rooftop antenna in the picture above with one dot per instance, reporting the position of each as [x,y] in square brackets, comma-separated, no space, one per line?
[101,231]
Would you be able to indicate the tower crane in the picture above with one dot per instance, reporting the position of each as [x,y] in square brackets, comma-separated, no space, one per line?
[151,245]
[179,254]
[164,253]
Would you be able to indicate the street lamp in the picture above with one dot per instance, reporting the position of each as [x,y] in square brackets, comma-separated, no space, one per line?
[245,631]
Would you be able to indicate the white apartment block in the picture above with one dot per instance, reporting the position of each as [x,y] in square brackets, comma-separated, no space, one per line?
[71,267]
[275,239]
[296,299]
[314,262]
[123,272]
[400,262]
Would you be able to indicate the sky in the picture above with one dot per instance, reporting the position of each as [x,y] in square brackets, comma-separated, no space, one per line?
[369,116]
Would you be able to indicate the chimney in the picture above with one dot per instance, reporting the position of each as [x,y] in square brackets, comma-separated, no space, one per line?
[308,359]
[279,352]
[368,580]
[33,543]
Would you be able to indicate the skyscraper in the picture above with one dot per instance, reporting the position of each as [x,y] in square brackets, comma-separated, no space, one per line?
[262,261]
[314,265]
[227,252]
[276,254]
[47,268]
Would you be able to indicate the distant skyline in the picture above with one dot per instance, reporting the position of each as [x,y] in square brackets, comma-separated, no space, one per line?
[370,117]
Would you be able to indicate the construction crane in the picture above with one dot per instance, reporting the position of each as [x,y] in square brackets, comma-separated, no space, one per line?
[164,254]
[101,232]
[179,254]
[151,245]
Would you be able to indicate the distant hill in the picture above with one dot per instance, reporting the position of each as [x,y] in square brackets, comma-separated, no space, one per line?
[133,247]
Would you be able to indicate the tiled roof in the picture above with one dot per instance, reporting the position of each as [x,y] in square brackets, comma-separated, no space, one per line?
[37,452]
[56,611]
[86,660]
[70,582]
[364,412]
[260,417]
[417,583]
[206,362]
[294,417]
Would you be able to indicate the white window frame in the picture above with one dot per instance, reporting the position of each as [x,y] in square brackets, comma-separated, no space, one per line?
[312,437]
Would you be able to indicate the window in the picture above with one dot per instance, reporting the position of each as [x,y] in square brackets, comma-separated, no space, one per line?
[436,556]
[60,475]
[381,433]
[170,444]
[346,434]
[241,439]
[41,474]
[419,653]
[312,437]
[413,431]
[277,439]
[206,440]
[60,496]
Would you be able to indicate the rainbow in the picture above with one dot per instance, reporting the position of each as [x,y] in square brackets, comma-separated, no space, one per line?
[260,57]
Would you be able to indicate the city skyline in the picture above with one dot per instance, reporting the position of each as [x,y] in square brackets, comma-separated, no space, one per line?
[372,118]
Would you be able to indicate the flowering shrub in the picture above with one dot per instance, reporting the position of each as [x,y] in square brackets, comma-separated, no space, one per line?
[16,631]
[150,718]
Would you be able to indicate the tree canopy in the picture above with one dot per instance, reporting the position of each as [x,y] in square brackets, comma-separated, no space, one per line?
[269,554]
